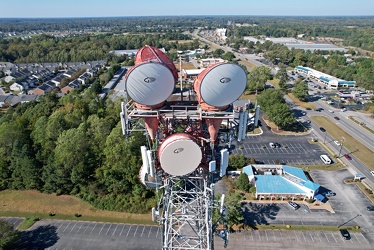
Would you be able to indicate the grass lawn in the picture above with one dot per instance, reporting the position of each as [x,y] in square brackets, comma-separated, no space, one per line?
[275,83]
[248,64]
[34,204]
[354,146]
[300,103]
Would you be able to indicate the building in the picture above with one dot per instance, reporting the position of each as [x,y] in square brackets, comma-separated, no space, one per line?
[280,182]
[210,61]
[330,81]
[191,73]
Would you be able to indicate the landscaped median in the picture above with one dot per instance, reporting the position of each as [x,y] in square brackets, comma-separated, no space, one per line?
[33,204]
[354,146]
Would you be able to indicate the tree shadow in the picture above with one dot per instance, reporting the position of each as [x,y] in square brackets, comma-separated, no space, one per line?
[40,238]
[260,214]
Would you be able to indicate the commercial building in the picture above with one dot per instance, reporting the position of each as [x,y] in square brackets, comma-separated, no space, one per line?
[280,182]
[330,81]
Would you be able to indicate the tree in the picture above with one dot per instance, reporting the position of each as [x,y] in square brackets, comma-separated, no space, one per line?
[218,52]
[268,98]
[243,183]
[237,161]
[8,236]
[233,210]
[257,78]
[301,91]
[282,76]
[281,115]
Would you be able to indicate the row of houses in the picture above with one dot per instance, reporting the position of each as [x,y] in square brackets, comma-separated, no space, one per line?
[29,79]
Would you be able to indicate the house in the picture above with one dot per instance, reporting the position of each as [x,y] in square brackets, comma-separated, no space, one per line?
[9,100]
[57,80]
[28,98]
[69,73]
[72,85]
[18,87]
[45,88]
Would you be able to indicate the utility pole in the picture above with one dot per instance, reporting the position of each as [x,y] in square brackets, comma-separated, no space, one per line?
[324,139]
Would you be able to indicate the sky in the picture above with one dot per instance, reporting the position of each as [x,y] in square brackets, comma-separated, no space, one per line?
[110,8]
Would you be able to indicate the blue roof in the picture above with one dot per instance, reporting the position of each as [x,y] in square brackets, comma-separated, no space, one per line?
[311,185]
[324,79]
[302,68]
[276,184]
[320,197]
[297,172]
[248,170]
[347,82]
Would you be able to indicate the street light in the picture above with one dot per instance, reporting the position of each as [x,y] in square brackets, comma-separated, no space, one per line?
[324,139]
[341,146]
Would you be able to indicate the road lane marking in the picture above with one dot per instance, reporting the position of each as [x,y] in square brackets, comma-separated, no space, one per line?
[93,228]
[66,226]
[73,227]
[142,232]
[122,230]
[136,230]
[110,225]
[128,231]
[150,230]
[326,237]
[158,228]
[102,228]
[80,227]
[115,230]
[60,226]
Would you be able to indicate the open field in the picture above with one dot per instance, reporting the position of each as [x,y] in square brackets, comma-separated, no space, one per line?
[275,83]
[185,66]
[32,203]
[364,154]
[248,64]
[300,103]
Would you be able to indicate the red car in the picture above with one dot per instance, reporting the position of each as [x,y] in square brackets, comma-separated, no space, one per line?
[347,157]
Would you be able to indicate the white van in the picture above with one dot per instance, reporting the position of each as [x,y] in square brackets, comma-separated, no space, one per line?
[326,160]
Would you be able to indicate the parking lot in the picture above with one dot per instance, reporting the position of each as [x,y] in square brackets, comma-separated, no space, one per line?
[290,152]
[56,234]
[278,239]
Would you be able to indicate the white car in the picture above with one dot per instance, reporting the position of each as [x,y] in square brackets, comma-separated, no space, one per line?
[331,111]
[337,143]
[372,173]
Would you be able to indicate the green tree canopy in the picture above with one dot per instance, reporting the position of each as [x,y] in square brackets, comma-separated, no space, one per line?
[243,183]
[8,236]
[257,78]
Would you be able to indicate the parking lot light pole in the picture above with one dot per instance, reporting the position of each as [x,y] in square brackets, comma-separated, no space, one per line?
[341,146]
[324,139]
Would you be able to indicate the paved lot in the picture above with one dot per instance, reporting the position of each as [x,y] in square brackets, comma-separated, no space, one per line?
[278,239]
[292,151]
[53,234]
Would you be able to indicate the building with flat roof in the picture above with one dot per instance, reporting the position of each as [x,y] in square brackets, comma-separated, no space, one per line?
[330,81]
[280,182]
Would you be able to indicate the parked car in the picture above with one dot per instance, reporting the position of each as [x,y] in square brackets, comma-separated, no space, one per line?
[348,157]
[345,234]
[294,205]
[329,193]
[272,145]
[370,208]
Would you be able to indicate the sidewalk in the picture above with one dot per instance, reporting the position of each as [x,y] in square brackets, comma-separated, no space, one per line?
[315,205]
